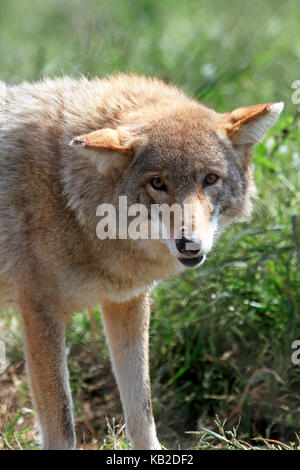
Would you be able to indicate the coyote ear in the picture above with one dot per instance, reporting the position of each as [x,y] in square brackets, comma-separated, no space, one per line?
[103,139]
[248,125]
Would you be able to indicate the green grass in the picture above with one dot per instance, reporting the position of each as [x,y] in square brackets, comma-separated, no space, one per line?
[221,335]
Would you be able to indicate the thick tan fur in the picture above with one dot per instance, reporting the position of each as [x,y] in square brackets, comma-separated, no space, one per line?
[123,131]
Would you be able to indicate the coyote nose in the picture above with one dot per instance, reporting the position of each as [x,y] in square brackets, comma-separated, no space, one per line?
[188,246]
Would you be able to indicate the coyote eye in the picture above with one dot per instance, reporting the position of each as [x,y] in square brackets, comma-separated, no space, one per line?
[210,178]
[158,183]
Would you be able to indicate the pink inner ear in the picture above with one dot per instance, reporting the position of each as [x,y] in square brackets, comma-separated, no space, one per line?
[241,116]
[107,139]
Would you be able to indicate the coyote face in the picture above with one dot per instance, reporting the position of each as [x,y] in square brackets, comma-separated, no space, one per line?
[187,163]
[192,159]
[136,137]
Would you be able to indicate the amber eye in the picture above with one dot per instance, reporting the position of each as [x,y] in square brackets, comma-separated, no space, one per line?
[158,183]
[210,178]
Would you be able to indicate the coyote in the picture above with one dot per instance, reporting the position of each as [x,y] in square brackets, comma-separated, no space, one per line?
[68,146]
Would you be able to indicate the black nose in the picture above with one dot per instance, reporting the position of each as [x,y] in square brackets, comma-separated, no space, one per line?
[188,246]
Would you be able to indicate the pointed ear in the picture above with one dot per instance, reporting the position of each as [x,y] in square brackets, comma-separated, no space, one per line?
[248,125]
[103,139]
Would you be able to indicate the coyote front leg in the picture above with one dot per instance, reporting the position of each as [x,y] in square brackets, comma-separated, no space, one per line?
[126,326]
[44,333]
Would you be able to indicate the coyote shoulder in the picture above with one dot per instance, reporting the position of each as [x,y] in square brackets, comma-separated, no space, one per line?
[68,146]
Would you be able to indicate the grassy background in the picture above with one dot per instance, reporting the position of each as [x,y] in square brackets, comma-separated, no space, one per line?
[221,335]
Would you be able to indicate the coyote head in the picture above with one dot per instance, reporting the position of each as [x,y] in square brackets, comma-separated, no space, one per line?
[176,151]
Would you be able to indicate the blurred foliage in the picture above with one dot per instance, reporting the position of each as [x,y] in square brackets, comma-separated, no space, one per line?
[230,55]
[221,335]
